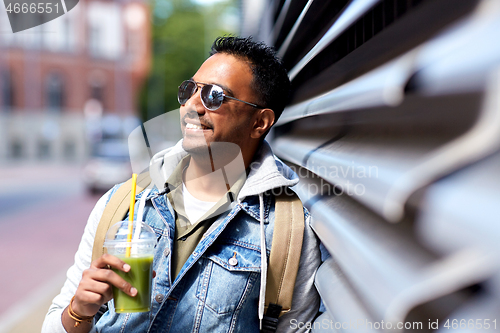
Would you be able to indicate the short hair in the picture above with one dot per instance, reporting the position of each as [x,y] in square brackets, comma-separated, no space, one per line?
[270,79]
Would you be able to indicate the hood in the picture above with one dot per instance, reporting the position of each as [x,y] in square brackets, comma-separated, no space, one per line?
[266,170]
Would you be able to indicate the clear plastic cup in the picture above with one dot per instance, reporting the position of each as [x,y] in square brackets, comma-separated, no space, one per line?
[141,264]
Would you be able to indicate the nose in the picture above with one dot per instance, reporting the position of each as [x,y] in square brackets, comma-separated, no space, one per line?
[194,102]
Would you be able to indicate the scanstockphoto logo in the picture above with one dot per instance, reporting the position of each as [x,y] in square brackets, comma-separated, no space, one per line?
[26,14]
[222,164]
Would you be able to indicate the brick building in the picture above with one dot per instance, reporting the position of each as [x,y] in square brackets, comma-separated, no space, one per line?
[61,83]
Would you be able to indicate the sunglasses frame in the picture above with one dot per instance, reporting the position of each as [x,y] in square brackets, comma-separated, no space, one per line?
[201,94]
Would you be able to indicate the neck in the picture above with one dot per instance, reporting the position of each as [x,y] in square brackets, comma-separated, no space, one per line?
[209,176]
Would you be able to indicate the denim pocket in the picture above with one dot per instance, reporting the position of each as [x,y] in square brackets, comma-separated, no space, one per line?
[229,276]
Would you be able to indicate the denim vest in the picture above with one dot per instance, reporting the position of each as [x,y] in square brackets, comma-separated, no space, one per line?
[209,294]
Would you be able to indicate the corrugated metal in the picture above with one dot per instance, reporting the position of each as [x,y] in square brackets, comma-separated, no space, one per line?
[394,129]
[351,13]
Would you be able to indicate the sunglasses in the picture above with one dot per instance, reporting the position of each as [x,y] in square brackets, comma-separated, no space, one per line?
[211,95]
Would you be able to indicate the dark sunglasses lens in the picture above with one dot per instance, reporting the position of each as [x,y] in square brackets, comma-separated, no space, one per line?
[186,90]
[212,96]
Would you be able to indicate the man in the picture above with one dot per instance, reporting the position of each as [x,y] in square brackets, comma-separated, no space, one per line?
[212,208]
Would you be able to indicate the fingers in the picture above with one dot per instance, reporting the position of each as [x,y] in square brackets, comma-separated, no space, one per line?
[107,261]
[99,281]
[94,292]
[95,287]
[90,295]
[99,272]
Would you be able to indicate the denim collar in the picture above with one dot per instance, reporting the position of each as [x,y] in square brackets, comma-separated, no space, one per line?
[267,172]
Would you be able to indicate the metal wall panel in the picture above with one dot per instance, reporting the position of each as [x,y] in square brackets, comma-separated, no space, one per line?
[394,129]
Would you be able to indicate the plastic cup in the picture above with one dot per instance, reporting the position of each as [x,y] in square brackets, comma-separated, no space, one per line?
[140,260]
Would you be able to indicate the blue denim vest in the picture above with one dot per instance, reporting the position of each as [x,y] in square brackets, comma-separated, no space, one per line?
[209,294]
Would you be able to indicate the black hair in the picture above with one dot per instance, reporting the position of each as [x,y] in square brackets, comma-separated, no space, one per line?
[270,79]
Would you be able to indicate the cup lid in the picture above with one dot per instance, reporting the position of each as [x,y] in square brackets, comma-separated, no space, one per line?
[141,233]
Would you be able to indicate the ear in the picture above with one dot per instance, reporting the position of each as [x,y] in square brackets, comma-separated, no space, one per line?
[263,121]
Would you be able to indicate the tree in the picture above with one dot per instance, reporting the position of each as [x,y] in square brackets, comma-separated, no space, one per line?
[180,30]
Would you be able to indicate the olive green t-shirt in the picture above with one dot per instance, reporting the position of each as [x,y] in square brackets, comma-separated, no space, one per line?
[187,234]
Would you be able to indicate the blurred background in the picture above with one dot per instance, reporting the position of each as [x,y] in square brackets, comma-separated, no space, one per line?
[71,92]
[393,127]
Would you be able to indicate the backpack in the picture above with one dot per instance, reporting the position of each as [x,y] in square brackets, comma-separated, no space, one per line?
[285,249]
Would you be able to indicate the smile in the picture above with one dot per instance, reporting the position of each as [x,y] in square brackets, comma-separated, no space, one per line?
[196,127]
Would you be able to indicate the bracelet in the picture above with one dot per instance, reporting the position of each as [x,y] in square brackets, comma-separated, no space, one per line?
[76,317]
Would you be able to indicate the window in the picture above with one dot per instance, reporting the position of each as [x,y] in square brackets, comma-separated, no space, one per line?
[94,41]
[69,150]
[105,30]
[97,93]
[6,97]
[54,92]
[43,150]
[16,149]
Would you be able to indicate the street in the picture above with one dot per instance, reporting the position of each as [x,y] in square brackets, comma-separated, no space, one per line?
[43,213]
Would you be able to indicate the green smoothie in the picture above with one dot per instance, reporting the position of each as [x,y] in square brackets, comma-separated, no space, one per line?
[139,276]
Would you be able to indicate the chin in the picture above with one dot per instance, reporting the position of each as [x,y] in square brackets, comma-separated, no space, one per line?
[195,147]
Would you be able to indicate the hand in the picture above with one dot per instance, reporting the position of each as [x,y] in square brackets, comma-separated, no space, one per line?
[95,288]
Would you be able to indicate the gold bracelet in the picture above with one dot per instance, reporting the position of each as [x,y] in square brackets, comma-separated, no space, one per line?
[76,317]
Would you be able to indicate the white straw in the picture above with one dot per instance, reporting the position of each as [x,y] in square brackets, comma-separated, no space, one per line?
[139,219]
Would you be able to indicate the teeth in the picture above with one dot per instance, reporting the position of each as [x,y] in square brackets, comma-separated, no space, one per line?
[193,126]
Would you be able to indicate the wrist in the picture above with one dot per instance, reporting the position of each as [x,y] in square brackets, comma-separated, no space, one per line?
[80,308]
[76,316]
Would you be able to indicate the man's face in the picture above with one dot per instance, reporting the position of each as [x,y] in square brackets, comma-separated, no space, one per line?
[232,122]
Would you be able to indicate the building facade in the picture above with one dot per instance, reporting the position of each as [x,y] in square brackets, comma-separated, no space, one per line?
[71,80]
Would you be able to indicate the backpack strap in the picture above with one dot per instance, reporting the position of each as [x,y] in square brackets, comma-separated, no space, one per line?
[116,208]
[285,256]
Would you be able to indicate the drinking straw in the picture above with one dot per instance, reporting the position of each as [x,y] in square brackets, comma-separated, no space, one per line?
[131,215]
[140,213]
